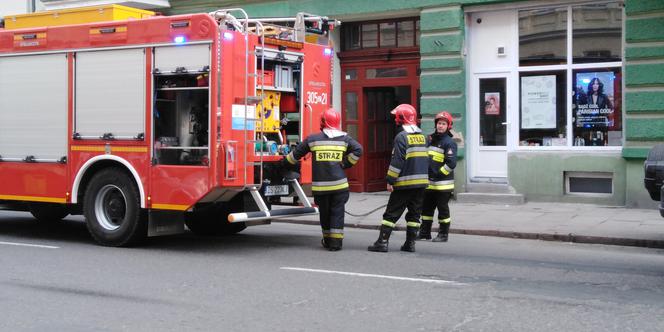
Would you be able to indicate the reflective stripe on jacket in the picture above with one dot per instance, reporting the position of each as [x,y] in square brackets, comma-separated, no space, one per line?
[408,166]
[330,156]
[442,151]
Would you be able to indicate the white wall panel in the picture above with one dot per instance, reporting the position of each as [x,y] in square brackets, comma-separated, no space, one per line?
[33,106]
[110,93]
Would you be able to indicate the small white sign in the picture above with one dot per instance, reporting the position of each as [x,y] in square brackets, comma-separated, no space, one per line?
[276,190]
[538,102]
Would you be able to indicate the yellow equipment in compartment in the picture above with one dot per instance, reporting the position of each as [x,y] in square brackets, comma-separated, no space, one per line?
[268,111]
[79,15]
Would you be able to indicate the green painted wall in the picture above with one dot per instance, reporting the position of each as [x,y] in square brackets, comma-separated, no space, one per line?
[540,176]
[644,93]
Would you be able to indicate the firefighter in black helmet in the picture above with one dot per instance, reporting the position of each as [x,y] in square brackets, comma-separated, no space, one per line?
[406,180]
[442,160]
[332,151]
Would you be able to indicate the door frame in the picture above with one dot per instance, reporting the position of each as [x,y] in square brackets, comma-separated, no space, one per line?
[358,86]
[511,123]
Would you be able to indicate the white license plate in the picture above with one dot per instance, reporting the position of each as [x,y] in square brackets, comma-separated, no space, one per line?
[276,190]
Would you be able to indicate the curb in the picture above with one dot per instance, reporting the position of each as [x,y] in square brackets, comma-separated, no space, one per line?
[573,238]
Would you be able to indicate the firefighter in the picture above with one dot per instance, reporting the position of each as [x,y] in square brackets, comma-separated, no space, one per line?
[406,179]
[333,151]
[442,160]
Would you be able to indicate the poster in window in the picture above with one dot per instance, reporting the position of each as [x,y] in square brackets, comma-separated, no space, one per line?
[593,99]
[538,102]
[492,103]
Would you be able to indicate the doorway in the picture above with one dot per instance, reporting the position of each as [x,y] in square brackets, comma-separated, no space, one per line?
[369,92]
[491,94]
[490,127]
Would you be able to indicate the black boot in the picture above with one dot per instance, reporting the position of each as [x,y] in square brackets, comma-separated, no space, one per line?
[425,230]
[442,233]
[383,238]
[409,245]
[334,244]
[324,243]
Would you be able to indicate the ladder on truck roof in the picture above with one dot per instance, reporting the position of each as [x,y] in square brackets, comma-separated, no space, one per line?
[225,17]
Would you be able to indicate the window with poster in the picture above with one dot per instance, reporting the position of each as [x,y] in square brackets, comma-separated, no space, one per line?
[570,77]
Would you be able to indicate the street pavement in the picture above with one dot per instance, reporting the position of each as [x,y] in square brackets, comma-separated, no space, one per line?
[567,222]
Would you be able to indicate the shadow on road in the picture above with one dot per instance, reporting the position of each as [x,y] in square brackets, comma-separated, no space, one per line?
[24,228]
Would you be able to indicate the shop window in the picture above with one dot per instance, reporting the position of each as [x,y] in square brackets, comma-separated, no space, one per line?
[352,37]
[388,34]
[589,183]
[543,116]
[386,72]
[543,36]
[492,112]
[351,74]
[597,33]
[392,33]
[597,107]
[351,106]
[591,102]
[406,33]
[369,35]
[351,129]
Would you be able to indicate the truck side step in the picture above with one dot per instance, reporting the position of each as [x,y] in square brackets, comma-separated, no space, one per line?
[265,213]
[280,213]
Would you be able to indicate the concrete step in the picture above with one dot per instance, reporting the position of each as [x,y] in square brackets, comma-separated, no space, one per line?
[491,198]
[495,188]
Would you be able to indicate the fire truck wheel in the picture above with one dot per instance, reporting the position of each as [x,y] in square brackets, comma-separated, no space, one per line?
[212,221]
[48,212]
[112,209]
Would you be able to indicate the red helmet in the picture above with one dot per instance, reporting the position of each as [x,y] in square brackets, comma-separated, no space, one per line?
[444,116]
[405,114]
[330,119]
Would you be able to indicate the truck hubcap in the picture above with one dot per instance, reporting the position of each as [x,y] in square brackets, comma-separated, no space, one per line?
[110,207]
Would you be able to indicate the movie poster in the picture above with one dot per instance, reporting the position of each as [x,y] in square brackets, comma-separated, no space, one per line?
[538,102]
[492,103]
[594,99]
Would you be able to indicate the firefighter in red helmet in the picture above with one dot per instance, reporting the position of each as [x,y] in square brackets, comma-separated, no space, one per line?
[406,180]
[442,152]
[332,151]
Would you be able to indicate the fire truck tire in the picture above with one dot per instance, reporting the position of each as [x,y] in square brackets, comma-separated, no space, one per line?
[112,209]
[48,212]
[212,221]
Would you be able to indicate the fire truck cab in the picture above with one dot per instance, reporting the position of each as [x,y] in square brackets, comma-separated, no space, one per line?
[145,123]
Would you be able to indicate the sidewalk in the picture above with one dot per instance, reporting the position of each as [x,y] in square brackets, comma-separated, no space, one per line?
[582,223]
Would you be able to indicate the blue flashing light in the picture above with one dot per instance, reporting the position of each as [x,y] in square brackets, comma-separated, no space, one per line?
[328,51]
[180,39]
[228,35]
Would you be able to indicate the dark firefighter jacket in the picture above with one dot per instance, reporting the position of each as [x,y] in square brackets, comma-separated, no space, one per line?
[408,167]
[442,161]
[330,157]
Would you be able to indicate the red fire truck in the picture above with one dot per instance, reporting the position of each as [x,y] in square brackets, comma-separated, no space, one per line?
[149,123]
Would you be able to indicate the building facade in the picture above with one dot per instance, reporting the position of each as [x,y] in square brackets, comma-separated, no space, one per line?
[556,101]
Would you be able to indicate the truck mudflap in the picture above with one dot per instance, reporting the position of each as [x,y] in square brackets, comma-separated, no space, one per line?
[265,213]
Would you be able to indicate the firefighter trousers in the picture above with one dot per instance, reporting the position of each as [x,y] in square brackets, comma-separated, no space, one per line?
[436,199]
[331,208]
[399,201]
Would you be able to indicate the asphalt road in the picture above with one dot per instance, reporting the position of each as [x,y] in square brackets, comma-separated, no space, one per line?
[277,278]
